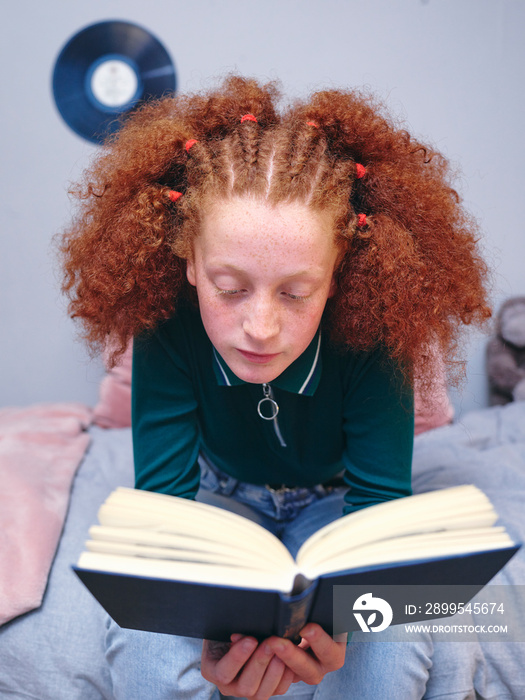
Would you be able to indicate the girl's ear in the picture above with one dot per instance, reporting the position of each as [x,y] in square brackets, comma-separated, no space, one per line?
[190,272]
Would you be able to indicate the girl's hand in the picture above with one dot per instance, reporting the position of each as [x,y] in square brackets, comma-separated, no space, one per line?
[258,671]
[314,657]
[245,668]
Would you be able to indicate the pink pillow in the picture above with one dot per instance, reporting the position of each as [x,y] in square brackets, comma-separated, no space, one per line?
[437,410]
[114,407]
[41,447]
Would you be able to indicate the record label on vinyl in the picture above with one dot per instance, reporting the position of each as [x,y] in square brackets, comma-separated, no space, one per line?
[104,72]
[113,83]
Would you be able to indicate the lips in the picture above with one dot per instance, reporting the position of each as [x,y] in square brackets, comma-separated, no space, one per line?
[258,358]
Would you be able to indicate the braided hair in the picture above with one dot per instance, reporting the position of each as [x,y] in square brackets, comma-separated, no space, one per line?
[409,273]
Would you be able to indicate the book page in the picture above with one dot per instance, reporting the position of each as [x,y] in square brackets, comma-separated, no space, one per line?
[137,542]
[198,526]
[412,547]
[456,508]
[192,572]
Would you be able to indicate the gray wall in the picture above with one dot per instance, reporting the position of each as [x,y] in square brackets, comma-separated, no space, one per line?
[454,69]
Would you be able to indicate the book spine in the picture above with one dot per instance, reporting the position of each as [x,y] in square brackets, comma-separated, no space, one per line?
[293,614]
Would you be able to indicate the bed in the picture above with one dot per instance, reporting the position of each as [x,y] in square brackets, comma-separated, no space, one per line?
[52,650]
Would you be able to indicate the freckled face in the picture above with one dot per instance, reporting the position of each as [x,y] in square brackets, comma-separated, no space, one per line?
[263,275]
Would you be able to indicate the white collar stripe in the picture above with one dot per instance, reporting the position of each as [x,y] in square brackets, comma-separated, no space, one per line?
[314,365]
[225,376]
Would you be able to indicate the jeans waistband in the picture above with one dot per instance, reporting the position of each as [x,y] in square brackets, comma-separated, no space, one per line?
[280,502]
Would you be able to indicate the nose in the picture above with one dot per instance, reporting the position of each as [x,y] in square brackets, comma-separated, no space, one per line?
[261,321]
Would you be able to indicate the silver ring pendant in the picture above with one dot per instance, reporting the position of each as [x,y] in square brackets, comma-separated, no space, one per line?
[274,408]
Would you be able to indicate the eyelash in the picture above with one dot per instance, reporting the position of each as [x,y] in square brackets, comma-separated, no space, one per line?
[234,292]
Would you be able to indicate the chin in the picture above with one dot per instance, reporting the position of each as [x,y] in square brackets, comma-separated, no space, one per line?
[257,375]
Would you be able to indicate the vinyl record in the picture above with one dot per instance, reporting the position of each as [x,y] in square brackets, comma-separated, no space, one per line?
[106,70]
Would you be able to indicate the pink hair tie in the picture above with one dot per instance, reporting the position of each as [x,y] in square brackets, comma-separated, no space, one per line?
[248,118]
[174,195]
[314,124]
[189,144]
[361,221]
[360,170]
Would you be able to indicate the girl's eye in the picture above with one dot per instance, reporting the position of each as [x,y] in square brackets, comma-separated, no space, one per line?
[235,292]
[295,297]
[229,292]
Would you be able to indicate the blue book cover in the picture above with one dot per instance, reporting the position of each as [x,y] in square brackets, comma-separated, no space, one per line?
[174,566]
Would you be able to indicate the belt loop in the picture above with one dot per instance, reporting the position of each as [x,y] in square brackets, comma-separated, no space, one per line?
[227,484]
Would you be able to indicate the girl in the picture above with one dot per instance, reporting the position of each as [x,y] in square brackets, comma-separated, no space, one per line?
[286,276]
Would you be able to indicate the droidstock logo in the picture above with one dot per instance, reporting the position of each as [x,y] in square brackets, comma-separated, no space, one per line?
[367,603]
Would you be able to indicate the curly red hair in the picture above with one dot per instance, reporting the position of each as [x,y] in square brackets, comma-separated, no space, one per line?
[408,277]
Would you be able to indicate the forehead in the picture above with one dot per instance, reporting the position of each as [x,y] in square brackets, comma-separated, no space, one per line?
[259,225]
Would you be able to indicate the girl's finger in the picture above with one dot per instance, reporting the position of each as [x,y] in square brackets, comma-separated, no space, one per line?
[272,679]
[299,661]
[259,668]
[223,670]
[287,679]
[328,652]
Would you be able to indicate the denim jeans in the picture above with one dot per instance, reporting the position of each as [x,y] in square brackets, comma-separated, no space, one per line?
[146,665]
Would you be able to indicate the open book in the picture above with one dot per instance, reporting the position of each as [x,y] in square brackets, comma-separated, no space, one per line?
[168,564]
